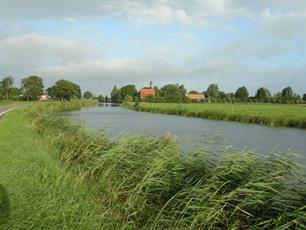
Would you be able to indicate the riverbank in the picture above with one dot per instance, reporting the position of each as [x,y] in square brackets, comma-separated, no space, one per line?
[273,115]
[139,182]
[36,190]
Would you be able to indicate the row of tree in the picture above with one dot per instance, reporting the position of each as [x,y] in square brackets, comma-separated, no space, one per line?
[32,87]
[263,95]
[175,93]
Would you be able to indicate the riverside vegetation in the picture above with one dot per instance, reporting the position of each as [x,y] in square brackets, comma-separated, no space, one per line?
[265,114]
[142,182]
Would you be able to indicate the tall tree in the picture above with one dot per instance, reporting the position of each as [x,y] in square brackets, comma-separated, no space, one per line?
[263,94]
[66,90]
[213,91]
[88,95]
[32,87]
[6,86]
[116,95]
[15,93]
[173,93]
[287,92]
[304,97]
[242,93]
[101,98]
[128,90]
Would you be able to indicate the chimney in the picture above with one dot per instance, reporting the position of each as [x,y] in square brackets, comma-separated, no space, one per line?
[151,84]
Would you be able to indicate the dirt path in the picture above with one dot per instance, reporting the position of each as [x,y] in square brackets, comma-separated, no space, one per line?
[7,108]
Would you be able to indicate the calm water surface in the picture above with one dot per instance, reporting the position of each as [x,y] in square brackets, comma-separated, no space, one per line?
[192,132]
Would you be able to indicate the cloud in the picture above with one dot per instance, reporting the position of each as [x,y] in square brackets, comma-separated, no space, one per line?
[142,12]
[195,12]
[284,23]
[32,50]
[120,70]
[180,55]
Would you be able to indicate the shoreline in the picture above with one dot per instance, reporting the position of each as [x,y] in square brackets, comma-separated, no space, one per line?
[179,110]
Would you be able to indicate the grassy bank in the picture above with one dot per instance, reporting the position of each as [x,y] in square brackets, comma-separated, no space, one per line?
[2,103]
[36,190]
[147,183]
[264,114]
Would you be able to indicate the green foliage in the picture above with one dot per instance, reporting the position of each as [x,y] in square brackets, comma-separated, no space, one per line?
[15,93]
[242,93]
[101,98]
[6,86]
[128,90]
[88,95]
[37,191]
[193,92]
[287,96]
[287,92]
[148,183]
[128,98]
[213,91]
[116,95]
[32,87]
[263,94]
[173,93]
[65,90]
[304,97]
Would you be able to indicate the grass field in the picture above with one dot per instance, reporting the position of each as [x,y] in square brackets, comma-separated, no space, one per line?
[2,103]
[55,175]
[36,190]
[265,114]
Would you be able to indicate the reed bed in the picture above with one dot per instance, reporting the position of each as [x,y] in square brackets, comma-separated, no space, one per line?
[263,114]
[148,183]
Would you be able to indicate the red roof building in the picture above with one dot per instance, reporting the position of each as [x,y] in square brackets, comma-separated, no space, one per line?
[146,92]
[195,96]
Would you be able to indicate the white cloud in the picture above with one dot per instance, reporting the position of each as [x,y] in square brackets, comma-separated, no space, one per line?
[284,23]
[142,12]
[113,69]
[34,50]
[179,60]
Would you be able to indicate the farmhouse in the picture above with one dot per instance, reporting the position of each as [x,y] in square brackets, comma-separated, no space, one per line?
[43,97]
[195,96]
[145,92]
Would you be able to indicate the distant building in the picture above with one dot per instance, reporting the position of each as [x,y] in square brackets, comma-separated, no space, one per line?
[195,96]
[43,97]
[145,92]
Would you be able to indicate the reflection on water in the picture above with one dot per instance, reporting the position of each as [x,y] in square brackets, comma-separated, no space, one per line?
[192,132]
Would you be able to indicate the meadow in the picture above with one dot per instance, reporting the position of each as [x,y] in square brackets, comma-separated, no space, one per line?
[59,175]
[36,190]
[265,114]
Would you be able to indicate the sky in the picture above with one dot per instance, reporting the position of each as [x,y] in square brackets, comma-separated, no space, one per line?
[99,44]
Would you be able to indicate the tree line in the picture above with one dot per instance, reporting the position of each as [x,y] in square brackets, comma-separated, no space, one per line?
[32,87]
[175,93]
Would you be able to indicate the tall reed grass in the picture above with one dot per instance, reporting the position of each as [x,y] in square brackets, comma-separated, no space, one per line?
[148,183]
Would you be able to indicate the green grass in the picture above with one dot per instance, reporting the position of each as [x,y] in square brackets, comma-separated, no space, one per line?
[2,103]
[148,183]
[265,114]
[36,190]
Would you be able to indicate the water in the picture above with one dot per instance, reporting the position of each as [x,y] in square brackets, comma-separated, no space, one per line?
[192,132]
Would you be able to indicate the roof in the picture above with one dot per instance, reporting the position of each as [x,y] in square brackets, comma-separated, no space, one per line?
[147,92]
[195,96]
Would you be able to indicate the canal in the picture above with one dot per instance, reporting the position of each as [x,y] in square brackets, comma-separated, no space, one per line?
[191,132]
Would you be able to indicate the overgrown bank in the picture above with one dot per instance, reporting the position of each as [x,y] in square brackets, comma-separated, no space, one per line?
[37,191]
[147,183]
[263,114]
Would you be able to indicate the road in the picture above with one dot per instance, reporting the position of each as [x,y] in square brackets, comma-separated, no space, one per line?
[7,108]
